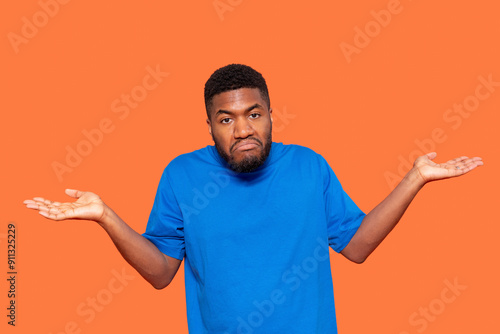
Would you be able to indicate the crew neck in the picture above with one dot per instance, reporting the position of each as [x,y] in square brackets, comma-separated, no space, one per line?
[276,148]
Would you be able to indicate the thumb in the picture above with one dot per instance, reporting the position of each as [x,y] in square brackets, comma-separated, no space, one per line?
[431,155]
[73,193]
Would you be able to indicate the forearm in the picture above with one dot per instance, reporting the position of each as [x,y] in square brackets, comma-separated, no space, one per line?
[380,221]
[157,268]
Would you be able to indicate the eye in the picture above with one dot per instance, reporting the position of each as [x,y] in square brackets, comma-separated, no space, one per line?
[255,115]
[225,120]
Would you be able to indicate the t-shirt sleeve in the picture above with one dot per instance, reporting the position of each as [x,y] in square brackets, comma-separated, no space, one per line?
[343,215]
[165,226]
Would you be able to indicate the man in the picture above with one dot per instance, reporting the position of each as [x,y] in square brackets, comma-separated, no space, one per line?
[252,219]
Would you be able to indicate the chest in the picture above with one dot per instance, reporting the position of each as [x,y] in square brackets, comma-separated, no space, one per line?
[249,212]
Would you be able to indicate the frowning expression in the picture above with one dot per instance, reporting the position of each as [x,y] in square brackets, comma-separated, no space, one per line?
[240,124]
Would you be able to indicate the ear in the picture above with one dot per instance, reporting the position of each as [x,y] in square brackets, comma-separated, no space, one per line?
[271,114]
[209,126]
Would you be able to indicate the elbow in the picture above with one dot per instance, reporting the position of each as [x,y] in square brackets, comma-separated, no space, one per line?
[358,259]
[160,284]
[356,253]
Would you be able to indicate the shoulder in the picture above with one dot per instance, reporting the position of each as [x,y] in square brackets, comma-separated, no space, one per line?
[303,159]
[189,162]
[302,153]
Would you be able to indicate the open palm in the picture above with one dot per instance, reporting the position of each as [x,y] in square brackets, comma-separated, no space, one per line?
[431,171]
[87,206]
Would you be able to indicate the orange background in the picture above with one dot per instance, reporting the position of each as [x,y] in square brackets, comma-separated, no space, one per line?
[363,116]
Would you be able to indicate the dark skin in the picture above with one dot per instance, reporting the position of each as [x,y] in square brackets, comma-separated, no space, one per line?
[157,268]
[241,114]
[240,123]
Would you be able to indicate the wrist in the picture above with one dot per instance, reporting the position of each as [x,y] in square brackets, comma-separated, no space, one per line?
[414,178]
[107,216]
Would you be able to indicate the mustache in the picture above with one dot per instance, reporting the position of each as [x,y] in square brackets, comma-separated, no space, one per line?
[246,139]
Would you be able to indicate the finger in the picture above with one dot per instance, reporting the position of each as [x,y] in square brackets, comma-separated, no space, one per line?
[456,160]
[32,206]
[473,164]
[42,206]
[461,163]
[43,213]
[44,202]
[467,167]
[55,210]
[41,201]
[74,193]
[53,216]
[473,161]
[477,160]
[431,155]
[58,213]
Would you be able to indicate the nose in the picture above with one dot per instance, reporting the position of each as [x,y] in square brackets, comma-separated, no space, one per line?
[243,129]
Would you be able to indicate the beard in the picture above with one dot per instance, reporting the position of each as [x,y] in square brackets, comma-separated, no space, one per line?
[248,163]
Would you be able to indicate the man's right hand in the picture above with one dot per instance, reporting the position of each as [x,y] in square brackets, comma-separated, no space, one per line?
[88,206]
[157,268]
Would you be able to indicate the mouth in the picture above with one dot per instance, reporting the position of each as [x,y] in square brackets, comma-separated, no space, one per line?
[246,145]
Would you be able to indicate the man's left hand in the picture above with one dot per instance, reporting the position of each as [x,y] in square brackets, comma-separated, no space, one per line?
[431,171]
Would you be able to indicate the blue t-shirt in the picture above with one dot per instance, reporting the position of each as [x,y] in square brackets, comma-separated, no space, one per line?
[255,244]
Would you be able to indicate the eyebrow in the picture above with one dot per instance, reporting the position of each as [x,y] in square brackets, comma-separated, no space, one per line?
[222,111]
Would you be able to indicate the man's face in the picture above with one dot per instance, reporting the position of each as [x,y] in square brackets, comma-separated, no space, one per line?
[240,124]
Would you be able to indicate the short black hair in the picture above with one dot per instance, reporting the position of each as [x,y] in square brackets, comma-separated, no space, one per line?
[234,76]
